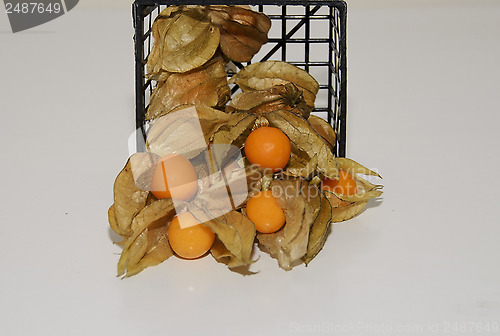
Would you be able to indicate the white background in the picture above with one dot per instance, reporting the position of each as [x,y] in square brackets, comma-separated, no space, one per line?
[423,111]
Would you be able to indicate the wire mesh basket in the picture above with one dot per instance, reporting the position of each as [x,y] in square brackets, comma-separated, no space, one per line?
[308,34]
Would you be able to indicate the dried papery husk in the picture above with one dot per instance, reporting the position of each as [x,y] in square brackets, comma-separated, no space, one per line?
[242,31]
[225,183]
[299,163]
[223,190]
[265,75]
[147,245]
[157,249]
[312,196]
[256,178]
[244,180]
[186,131]
[261,121]
[253,101]
[286,96]
[319,230]
[307,145]
[154,66]
[334,201]
[223,255]
[185,40]
[349,211]
[128,201]
[206,86]
[243,15]
[233,229]
[364,189]
[325,130]
[236,130]
[113,223]
[353,167]
[289,244]
[345,207]
[143,166]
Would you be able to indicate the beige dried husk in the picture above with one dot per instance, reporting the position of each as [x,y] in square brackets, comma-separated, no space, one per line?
[265,75]
[319,230]
[289,244]
[176,132]
[325,130]
[242,31]
[154,66]
[310,154]
[184,39]
[345,207]
[286,96]
[206,85]
[236,130]
[234,230]
[148,244]
[128,201]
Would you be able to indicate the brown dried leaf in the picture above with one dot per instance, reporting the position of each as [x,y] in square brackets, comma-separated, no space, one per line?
[203,86]
[242,31]
[264,75]
[186,131]
[319,230]
[289,244]
[128,200]
[151,219]
[307,145]
[325,130]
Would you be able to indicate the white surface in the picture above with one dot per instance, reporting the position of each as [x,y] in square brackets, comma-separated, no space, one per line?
[423,111]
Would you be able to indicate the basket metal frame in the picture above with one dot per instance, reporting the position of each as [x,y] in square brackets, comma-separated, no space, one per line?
[335,62]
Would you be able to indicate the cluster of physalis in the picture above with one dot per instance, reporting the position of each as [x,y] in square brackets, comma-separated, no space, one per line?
[223,175]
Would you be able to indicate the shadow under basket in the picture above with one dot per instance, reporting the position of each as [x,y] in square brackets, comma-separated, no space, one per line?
[308,34]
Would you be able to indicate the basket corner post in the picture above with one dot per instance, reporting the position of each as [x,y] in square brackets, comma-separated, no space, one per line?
[343,71]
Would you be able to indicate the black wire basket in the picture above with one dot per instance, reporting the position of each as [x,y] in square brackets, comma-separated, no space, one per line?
[308,34]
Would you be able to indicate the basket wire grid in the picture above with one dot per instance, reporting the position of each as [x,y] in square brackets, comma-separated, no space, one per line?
[308,34]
